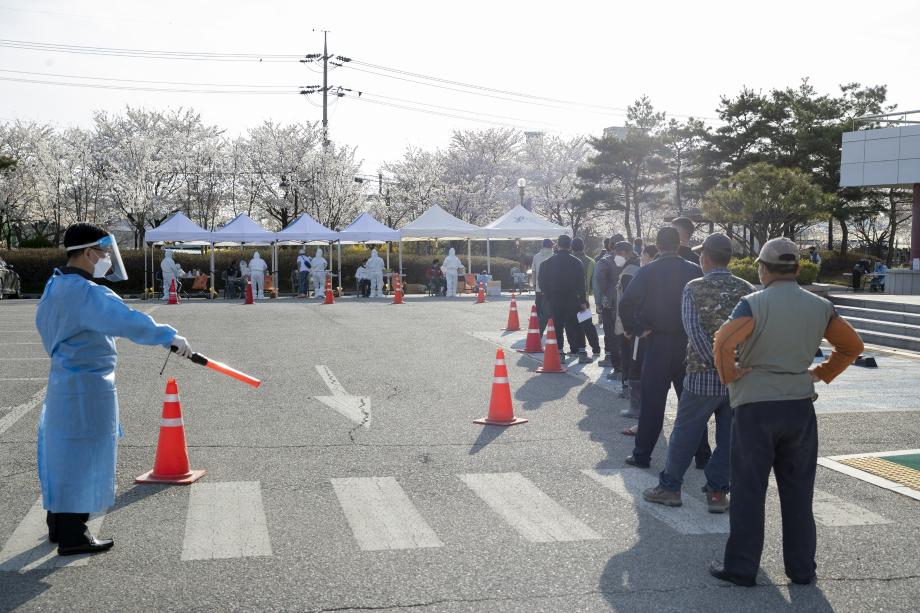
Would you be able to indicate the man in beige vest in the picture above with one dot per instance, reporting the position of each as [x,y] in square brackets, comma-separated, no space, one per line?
[776,332]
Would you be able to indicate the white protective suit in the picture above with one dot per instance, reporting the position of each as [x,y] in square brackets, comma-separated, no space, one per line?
[318,272]
[257,270]
[375,266]
[171,271]
[451,265]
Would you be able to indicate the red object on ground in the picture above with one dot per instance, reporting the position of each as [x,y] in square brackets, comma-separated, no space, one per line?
[330,298]
[398,296]
[173,294]
[481,296]
[171,462]
[501,413]
[533,334]
[551,362]
[248,293]
[513,324]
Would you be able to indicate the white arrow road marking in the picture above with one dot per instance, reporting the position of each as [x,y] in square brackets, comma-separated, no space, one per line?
[355,408]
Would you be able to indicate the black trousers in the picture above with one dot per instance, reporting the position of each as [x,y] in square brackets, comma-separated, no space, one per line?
[565,320]
[68,529]
[632,369]
[609,318]
[662,367]
[587,335]
[364,288]
[782,436]
[542,311]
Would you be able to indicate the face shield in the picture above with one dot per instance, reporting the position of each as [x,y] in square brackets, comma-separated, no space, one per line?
[108,245]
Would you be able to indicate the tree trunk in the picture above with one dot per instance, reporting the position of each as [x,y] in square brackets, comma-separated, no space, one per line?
[830,234]
[844,239]
[626,211]
[892,226]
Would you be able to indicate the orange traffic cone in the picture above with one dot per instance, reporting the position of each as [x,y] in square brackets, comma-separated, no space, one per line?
[551,362]
[330,298]
[533,334]
[501,413]
[173,294]
[398,296]
[513,324]
[481,296]
[171,463]
[248,293]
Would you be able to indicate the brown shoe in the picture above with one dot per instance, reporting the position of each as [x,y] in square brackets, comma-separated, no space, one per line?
[718,501]
[659,495]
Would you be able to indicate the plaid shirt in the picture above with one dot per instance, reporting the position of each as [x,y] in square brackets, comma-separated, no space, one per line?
[704,383]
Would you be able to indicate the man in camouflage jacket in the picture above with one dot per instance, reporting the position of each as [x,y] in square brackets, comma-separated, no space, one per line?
[707,304]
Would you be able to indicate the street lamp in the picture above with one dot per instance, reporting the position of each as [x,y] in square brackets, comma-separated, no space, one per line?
[522,183]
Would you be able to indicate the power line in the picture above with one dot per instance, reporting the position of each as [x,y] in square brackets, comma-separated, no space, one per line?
[148,53]
[428,112]
[68,76]
[146,89]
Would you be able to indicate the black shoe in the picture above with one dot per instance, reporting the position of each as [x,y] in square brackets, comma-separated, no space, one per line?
[632,461]
[605,363]
[803,580]
[719,572]
[584,358]
[94,545]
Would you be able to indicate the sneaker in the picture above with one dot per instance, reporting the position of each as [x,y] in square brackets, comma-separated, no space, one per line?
[718,501]
[612,375]
[632,461]
[659,495]
[605,363]
[584,358]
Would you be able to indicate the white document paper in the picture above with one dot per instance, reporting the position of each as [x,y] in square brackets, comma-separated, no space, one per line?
[584,315]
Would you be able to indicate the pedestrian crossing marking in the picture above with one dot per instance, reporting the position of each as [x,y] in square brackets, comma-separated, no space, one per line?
[28,547]
[830,510]
[691,518]
[225,520]
[381,516]
[536,517]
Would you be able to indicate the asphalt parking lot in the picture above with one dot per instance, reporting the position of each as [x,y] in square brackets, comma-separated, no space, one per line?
[312,505]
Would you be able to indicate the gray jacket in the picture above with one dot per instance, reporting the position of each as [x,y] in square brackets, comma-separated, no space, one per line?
[606,277]
[542,255]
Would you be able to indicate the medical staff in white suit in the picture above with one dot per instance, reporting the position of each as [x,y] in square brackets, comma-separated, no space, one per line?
[257,269]
[375,266]
[451,266]
[318,271]
[171,272]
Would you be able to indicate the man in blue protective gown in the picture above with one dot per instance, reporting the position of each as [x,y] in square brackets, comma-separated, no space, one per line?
[78,432]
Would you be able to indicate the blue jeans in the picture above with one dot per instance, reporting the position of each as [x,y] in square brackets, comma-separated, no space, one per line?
[302,277]
[693,412]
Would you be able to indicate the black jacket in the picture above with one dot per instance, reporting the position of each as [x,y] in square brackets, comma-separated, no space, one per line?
[653,299]
[562,280]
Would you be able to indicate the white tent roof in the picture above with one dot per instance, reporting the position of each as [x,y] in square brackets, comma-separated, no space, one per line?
[366,229]
[178,228]
[438,223]
[307,229]
[523,224]
[244,230]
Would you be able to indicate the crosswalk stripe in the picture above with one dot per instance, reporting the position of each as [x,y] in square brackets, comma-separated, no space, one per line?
[28,547]
[536,517]
[225,520]
[834,512]
[381,516]
[691,518]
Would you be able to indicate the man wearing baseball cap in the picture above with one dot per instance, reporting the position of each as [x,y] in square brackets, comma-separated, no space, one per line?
[707,302]
[776,333]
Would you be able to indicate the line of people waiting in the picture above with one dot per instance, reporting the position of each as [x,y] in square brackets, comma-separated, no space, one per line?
[679,319]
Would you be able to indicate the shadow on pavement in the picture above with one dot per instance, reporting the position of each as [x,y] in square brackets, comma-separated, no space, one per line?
[488,434]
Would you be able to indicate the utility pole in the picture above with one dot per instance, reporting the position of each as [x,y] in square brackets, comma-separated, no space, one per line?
[325,88]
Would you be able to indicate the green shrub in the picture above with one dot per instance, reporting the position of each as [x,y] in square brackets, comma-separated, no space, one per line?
[36,265]
[746,268]
[39,242]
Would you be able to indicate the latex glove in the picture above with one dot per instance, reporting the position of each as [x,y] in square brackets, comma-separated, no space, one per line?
[183,349]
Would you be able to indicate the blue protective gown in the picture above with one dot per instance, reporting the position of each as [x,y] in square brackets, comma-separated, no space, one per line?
[78,430]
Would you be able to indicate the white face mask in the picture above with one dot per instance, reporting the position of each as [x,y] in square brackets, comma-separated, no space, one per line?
[619,260]
[102,266]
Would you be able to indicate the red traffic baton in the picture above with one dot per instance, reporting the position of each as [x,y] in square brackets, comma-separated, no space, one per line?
[222,368]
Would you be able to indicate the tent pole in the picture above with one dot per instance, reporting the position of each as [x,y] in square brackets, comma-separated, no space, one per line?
[488,257]
[340,266]
[469,256]
[213,288]
[275,267]
[400,257]
[145,270]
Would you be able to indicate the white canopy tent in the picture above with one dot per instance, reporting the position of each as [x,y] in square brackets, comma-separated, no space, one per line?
[438,224]
[366,229]
[304,230]
[177,229]
[520,224]
[242,230]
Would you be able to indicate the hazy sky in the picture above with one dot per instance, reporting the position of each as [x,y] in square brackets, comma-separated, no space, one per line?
[683,55]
